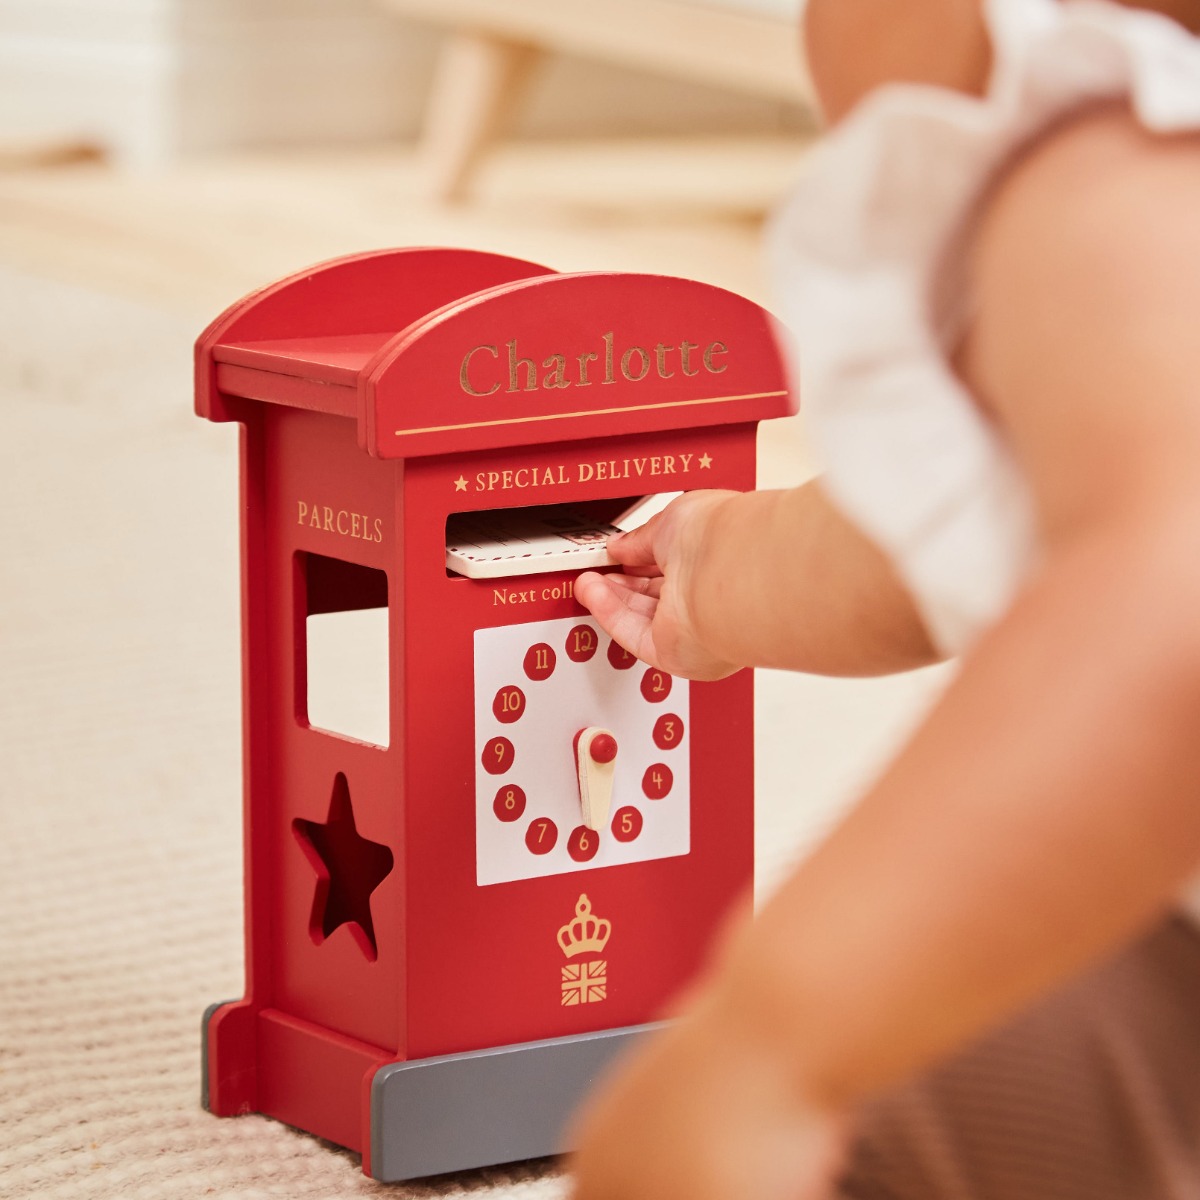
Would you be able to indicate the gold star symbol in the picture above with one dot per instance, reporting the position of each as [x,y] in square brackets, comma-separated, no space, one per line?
[705,462]
[460,484]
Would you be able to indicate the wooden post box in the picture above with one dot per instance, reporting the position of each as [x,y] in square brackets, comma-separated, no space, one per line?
[453,922]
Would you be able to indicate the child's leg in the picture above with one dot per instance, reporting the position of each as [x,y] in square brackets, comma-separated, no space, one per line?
[1092,1095]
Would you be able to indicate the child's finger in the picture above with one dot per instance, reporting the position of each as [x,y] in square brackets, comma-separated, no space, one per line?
[637,580]
[641,592]
[636,572]
[624,612]
[635,548]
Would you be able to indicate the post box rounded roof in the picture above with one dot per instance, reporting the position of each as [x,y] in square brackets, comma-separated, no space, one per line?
[442,350]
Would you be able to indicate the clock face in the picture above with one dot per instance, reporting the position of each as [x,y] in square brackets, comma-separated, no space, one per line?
[537,686]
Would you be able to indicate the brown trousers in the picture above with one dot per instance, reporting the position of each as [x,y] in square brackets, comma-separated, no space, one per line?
[1094,1094]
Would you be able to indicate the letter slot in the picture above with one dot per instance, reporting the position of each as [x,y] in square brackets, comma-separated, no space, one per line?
[540,539]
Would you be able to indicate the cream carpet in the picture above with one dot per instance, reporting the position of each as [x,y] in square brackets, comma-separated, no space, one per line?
[119,842]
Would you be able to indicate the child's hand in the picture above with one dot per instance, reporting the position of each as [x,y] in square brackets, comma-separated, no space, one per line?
[649,607]
[702,1115]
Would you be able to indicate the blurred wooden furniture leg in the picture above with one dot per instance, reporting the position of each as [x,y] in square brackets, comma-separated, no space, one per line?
[478,81]
[752,47]
[21,153]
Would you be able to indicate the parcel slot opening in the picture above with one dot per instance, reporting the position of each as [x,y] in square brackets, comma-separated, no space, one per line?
[540,539]
[343,663]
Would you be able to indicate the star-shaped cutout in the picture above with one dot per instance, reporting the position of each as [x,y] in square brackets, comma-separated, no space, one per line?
[460,484]
[705,462]
[349,868]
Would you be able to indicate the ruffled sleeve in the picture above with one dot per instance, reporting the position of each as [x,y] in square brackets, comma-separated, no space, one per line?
[867,262]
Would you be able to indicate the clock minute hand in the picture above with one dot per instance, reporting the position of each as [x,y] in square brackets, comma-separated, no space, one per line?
[595,760]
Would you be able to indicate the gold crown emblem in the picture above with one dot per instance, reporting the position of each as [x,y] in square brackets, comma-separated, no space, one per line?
[586,933]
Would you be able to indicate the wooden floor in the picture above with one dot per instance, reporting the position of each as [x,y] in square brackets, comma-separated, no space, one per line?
[204,233]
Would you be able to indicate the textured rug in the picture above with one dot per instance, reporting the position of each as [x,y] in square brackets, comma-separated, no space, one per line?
[120,868]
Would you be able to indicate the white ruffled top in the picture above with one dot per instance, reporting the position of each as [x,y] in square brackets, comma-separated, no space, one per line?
[868,275]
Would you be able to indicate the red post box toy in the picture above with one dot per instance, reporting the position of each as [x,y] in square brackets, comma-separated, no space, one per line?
[454,921]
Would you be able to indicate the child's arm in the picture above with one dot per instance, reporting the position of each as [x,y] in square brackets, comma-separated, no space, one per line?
[1050,806]
[765,579]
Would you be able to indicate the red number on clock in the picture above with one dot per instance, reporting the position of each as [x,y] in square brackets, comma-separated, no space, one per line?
[498,756]
[583,843]
[620,657]
[509,704]
[668,731]
[509,804]
[581,643]
[656,782]
[656,685]
[626,824]
[539,662]
[541,835]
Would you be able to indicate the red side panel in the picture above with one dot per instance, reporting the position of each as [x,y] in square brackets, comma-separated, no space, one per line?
[317,482]
[314,1081]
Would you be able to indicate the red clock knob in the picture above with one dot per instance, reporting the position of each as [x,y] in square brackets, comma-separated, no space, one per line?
[603,748]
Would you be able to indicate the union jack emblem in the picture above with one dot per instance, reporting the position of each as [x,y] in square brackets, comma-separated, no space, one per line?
[584,983]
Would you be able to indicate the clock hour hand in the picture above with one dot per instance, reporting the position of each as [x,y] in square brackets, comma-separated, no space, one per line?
[595,760]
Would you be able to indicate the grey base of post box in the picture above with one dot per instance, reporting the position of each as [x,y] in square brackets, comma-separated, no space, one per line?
[208,1016]
[484,1107]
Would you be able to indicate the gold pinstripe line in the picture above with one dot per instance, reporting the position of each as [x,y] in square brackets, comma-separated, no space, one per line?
[590,412]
